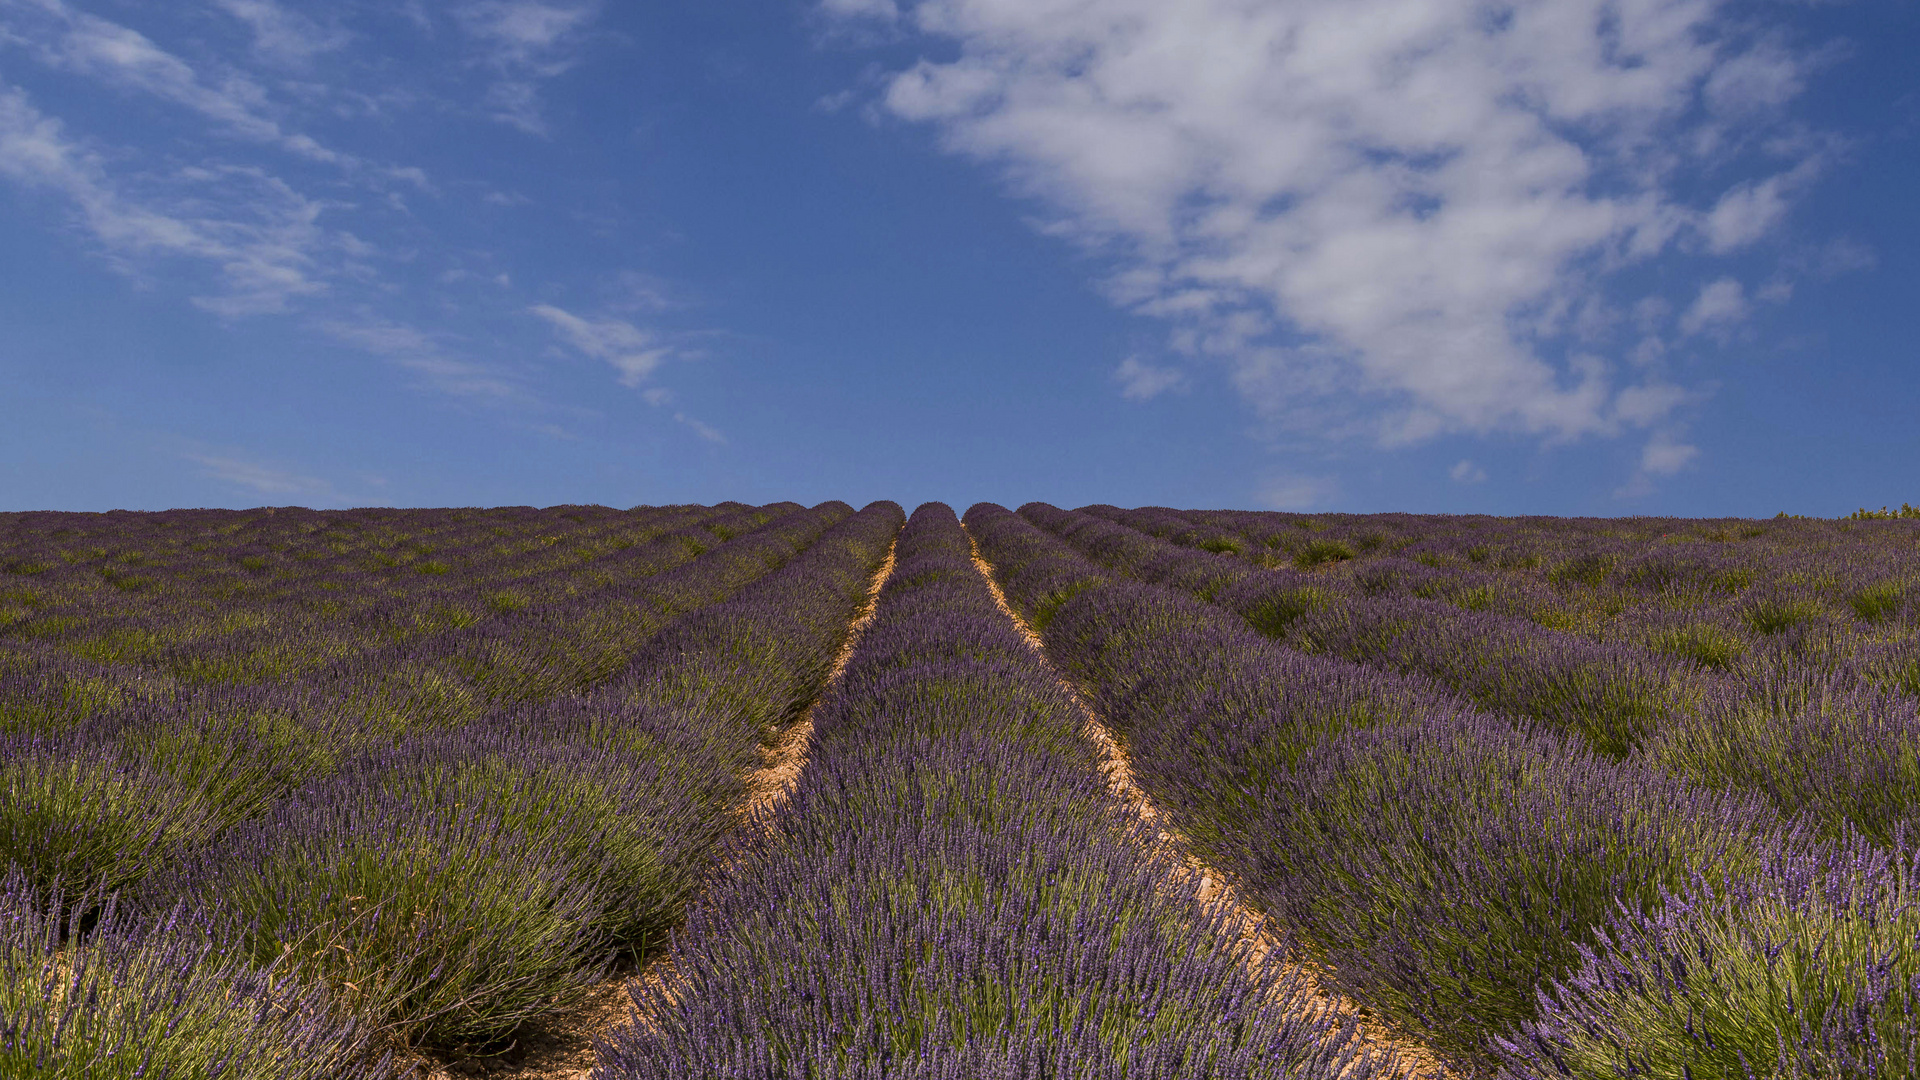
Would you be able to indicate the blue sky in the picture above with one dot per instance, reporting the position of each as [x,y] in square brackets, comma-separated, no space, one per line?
[1547,256]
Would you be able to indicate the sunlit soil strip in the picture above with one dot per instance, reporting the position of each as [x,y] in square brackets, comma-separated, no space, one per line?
[769,785]
[572,1056]
[1210,887]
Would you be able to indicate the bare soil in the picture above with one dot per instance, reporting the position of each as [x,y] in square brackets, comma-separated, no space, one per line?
[1213,890]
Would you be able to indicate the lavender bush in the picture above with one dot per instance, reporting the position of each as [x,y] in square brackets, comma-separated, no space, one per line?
[1443,863]
[951,889]
[1806,968]
[167,999]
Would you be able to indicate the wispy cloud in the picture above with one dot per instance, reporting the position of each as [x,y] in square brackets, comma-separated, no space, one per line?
[883,10]
[710,434]
[629,350]
[1466,472]
[1290,491]
[439,370]
[662,398]
[524,42]
[262,237]
[1141,381]
[1414,203]
[283,35]
[123,57]
[264,479]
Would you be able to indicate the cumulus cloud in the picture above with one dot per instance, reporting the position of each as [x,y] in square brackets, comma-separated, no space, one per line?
[1415,202]
[1140,381]
[1745,214]
[1466,472]
[629,350]
[1663,455]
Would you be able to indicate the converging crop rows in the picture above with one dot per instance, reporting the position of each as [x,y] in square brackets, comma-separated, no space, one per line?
[299,794]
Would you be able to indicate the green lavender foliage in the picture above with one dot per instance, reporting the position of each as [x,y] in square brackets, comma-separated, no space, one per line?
[169,997]
[1807,967]
[428,918]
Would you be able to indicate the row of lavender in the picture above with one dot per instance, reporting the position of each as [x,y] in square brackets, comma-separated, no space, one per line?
[216,577]
[951,892]
[1739,595]
[1650,555]
[48,690]
[211,759]
[434,890]
[76,654]
[1524,904]
[1836,742]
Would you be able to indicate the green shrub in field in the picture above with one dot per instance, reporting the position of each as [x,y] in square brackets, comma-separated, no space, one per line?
[431,923]
[1807,969]
[1878,602]
[238,762]
[1321,552]
[73,817]
[162,998]
[454,888]
[1446,871]
[1703,643]
[1775,614]
[1277,610]
[1846,756]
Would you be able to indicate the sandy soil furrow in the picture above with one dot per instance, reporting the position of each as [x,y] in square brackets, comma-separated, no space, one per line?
[563,1049]
[1209,886]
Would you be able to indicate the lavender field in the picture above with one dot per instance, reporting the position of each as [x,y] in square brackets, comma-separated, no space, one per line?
[778,791]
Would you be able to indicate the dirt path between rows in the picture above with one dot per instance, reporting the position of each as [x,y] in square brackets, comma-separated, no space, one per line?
[1213,889]
[562,1049]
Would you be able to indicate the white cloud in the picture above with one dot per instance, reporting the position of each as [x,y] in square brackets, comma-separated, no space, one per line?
[1745,214]
[262,237]
[1643,405]
[525,41]
[262,479]
[121,56]
[525,33]
[1142,381]
[706,432]
[1295,492]
[1466,472]
[884,10]
[1664,455]
[1416,201]
[282,35]
[412,350]
[1720,304]
[631,351]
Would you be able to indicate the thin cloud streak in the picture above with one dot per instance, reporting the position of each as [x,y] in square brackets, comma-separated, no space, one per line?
[626,348]
[263,479]
[262,237]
